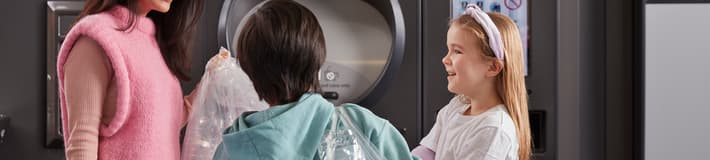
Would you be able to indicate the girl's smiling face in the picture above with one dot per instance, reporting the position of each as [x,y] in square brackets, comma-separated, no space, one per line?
[467,69]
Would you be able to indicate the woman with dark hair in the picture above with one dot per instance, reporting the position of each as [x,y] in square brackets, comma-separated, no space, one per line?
[119,70]
[281,48]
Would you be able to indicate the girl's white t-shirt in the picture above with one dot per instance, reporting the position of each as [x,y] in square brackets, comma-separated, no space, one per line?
[490,135]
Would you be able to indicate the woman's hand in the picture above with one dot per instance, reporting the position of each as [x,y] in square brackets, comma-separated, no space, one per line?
[221,57]
[212,65]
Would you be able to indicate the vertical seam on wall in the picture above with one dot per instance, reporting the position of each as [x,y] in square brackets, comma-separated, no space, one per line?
[420,72]
[604,83]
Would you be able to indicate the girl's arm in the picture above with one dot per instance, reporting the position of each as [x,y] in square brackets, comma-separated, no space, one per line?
[424,153]
[87,75]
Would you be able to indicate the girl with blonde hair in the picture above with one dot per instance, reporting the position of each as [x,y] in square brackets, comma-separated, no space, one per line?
[488,119]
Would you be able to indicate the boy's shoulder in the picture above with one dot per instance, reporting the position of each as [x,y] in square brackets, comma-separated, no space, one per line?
[367,121]
[383,135]
[359,113]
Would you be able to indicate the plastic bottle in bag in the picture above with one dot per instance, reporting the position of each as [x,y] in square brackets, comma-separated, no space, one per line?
[345,141]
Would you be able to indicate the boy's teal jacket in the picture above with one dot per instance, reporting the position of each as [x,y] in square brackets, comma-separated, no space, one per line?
[294,131]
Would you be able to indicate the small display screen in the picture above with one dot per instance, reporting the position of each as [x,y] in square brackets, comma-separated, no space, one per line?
[515,9]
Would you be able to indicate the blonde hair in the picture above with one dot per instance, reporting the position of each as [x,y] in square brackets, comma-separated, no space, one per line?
[510,83]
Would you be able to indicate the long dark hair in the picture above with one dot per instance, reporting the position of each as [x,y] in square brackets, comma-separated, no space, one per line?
[174,29]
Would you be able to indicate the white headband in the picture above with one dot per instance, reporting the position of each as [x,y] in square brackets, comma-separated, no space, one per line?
[494,39]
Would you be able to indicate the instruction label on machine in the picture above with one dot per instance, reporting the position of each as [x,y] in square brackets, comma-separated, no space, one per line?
[515,9]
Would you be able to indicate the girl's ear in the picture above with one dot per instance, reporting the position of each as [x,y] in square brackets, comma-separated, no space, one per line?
[494,68]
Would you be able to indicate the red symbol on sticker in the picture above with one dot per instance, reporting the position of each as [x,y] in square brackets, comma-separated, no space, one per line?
[513,4]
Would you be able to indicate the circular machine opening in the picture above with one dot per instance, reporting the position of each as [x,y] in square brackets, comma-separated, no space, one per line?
[364,43]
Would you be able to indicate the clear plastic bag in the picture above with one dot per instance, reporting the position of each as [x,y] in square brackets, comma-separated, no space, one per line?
[345,141]
[225,91]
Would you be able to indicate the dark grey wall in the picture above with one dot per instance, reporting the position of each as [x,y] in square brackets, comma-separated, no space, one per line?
[568,100]
[619,16]
[580,61]
[22,66]
[594,80]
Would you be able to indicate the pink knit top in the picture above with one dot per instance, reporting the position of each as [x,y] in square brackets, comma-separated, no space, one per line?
[148,101]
